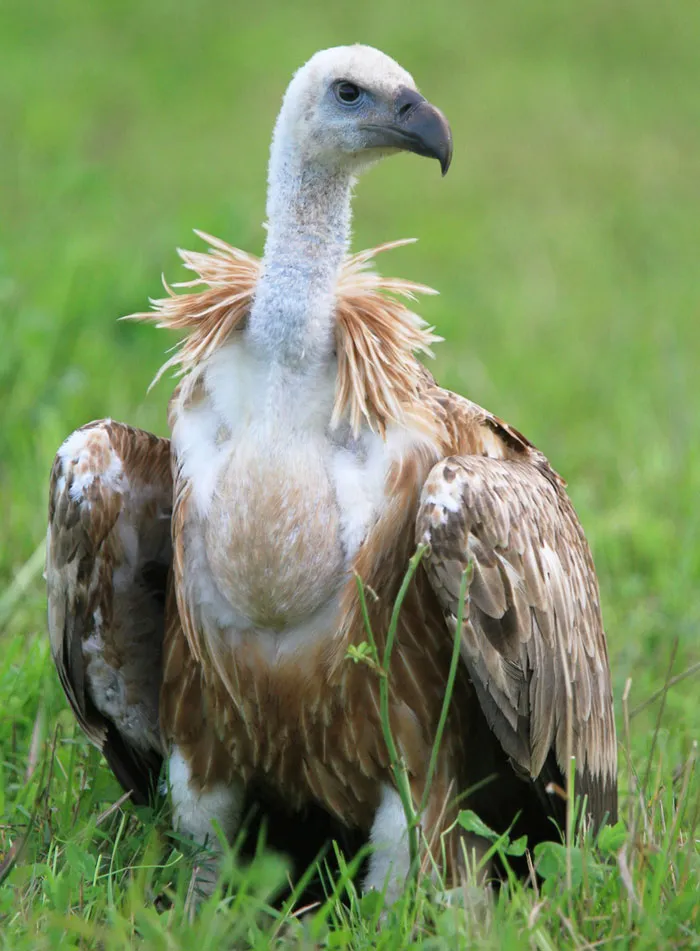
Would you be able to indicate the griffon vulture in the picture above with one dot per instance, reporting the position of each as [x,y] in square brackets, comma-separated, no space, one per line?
[311,447]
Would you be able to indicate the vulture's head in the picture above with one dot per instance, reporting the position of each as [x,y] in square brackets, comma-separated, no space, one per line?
[351,105]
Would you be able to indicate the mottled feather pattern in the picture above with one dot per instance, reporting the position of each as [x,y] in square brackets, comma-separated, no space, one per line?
[473,489]
[533,639]
[108,552]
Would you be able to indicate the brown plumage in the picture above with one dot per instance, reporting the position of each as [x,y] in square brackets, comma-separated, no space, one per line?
[310,447]
[533,642]
[533,645]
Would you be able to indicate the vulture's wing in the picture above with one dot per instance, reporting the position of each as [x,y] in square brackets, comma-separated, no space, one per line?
[108,556]
[533,640]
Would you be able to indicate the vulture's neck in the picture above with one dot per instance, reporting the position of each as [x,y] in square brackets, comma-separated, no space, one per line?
[308,208]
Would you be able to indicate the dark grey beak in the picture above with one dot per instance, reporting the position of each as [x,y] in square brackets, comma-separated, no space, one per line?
[417,127]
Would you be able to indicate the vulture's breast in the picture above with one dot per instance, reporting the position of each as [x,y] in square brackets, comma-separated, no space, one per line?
[273,531]
[280,502]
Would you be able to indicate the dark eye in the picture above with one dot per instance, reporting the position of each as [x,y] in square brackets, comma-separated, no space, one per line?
[347,93]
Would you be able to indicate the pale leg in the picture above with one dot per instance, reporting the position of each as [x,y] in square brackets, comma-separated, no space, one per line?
[194,812]
[390,859]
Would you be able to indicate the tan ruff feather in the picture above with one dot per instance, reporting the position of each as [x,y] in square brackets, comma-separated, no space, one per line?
[377,336]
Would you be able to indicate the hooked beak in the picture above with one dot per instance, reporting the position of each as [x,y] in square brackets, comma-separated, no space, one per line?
[417,127]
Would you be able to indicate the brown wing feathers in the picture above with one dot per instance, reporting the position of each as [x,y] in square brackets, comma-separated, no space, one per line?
[533,640]
[108,553]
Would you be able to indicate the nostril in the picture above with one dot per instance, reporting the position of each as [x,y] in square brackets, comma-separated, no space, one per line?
[405,103]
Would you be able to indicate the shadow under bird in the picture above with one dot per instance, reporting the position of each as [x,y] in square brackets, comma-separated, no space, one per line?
[202,593]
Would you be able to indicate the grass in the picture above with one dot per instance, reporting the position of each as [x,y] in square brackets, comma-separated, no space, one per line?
[564,244]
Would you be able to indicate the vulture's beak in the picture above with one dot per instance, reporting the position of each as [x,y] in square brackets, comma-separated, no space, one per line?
[417,126]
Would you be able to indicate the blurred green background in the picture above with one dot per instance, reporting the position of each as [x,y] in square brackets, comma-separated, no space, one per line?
[564,242]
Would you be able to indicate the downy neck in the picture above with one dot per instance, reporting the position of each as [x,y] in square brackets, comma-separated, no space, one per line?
[308,209]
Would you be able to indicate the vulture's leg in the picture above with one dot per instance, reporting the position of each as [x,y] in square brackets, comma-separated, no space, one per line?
[390,859]
[389,862]
[197,813]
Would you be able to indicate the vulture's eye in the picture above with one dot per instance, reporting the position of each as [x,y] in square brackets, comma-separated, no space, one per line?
[347,93]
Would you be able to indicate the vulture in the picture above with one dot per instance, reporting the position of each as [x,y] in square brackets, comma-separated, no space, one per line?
[205,592]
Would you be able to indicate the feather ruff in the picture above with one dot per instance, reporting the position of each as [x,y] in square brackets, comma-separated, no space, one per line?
[377,336]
